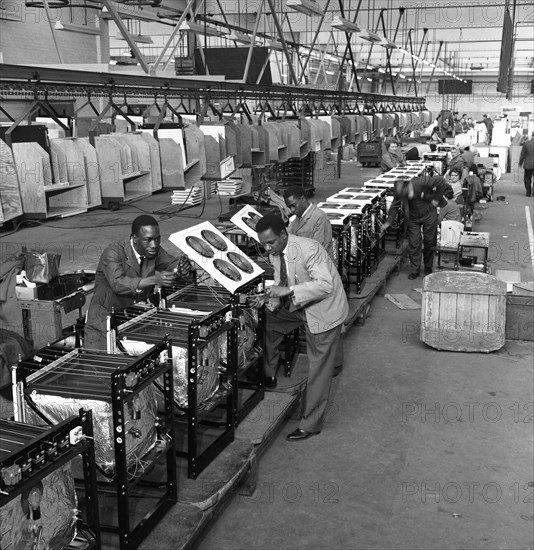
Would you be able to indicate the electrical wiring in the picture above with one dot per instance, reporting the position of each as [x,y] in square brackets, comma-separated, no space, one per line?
[170,215]
[22,222]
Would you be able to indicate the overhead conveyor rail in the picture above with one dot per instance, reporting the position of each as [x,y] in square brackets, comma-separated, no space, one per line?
[18,80]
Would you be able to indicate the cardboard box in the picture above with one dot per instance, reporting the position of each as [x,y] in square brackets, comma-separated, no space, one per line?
[26,293]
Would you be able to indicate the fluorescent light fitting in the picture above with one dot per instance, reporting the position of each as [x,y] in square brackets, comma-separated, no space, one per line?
[140,38]
[307,7]
[370,67]
[402,76]
[274,45]
[239,37]
[388,44]
[190,26]
[369,79]
[371,37]
[381,70]
[342,24]
[82,29]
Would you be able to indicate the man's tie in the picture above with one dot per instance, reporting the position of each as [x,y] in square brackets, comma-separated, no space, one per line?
[284,301]
[283,270]
[142,261]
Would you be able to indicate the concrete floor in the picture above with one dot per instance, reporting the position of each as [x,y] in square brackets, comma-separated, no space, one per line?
[421,449]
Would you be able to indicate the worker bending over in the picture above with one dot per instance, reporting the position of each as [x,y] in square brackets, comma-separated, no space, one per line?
[127,273]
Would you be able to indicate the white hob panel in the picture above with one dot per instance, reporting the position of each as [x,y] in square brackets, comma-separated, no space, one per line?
[205,245]
[246,219]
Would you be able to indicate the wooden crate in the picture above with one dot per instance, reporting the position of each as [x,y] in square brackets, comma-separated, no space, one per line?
[520,313]
[463,311]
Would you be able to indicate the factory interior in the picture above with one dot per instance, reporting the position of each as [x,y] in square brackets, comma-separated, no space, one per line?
[209,116]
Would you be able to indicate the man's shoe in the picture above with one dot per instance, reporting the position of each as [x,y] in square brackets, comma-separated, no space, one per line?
[428,271]
[299,434]
[270,382]
[337,370]
[413,276]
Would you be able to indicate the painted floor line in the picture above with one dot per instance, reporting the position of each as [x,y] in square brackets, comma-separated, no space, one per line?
[530,236]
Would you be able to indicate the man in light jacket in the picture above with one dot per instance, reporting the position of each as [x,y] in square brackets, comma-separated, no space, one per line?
[308,292]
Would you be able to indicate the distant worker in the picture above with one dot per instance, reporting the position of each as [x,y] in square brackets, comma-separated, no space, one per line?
[310,222]
[451,210]
[526,161]
[464,123]
[486,120]
[420,197]
[458,129]
[454,179]
[392,156]
[459,162]
[468,154]
[436,137]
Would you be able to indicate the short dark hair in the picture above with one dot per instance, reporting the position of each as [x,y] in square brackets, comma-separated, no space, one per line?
[273,222]
[142,221]
[456,171]
[448,193]
[296,191]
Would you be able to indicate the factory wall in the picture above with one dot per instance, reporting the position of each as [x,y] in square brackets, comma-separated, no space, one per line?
[26,37]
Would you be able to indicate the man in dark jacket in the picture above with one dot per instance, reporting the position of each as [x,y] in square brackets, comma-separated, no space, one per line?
[127,273]
[420,196]
[486,120]
[526,160]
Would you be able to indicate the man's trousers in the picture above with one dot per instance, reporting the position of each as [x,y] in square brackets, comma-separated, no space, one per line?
[321,352]
[422,235]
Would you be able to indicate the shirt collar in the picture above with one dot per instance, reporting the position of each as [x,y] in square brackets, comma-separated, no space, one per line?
[307,211]
[137,255]
[284,252]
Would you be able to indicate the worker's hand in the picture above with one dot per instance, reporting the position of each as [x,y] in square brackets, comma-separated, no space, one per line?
[277,291]
[184,269]
[435,202]
[165,278]
[256,301]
